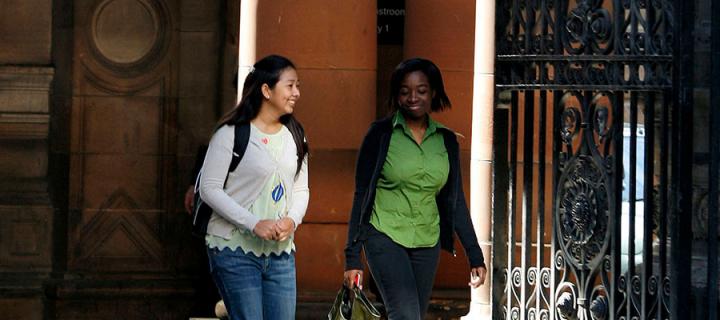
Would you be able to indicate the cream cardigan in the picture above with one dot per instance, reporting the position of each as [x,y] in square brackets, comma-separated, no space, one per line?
[245,183]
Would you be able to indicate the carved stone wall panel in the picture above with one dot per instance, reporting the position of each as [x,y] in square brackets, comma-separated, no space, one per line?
[122,134]
[137,175]
[118,235]
[25,238]
[196,80]
[95,83]
[127,125]
[124,31]
[119,143]
[123,46]
[116,239]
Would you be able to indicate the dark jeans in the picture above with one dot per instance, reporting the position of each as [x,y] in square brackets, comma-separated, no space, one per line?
[404,276]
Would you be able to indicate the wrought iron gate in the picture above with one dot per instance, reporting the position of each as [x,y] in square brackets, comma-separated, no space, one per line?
[589,147]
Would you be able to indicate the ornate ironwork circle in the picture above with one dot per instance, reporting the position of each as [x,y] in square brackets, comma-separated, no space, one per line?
[582,212]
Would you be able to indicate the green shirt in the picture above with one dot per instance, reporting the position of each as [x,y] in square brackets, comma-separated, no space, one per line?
[412,175]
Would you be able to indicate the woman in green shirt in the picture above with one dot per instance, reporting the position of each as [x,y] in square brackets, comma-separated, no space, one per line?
[408,200]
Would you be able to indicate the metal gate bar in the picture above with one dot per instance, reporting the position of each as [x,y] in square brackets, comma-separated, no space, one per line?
[681,176]
[663,310]
[630,279]
[526,212]
[512,202]
[618,141]
[712,271]
[649,284]
[501,183]
[541,299]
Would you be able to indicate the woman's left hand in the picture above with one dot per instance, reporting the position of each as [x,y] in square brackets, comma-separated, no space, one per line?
[189,197]
[284,228]
[477,276]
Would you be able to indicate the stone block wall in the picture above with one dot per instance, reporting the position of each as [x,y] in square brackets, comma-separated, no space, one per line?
[26,215]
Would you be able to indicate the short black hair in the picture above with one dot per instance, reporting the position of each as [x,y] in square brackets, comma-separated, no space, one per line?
[439,102]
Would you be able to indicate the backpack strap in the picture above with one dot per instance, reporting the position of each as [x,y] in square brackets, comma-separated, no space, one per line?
[242,137]
[201,210]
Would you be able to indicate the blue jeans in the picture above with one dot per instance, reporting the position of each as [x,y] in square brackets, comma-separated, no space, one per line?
[252,287]
[404,276]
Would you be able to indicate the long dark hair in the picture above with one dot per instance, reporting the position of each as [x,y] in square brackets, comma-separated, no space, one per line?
[266,71]
[439,102]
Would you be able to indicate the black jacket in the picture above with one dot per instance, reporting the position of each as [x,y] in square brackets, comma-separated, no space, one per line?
[454,214]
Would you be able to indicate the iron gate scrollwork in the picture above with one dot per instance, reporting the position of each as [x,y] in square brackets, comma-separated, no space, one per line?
[584,133]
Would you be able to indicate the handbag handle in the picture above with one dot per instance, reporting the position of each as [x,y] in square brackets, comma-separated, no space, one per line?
[368,309]
[352,304]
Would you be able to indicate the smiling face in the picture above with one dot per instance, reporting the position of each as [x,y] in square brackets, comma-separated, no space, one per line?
[415,95]
[282,98]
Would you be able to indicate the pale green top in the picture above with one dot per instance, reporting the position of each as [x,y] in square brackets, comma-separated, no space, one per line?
[270,204]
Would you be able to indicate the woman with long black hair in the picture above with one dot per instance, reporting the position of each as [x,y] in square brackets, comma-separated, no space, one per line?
[258,206]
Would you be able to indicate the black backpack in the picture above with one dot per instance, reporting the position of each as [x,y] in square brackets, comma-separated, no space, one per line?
[201,210]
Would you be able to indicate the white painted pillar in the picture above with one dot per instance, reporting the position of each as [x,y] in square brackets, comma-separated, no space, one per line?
[247,41]
[481,150]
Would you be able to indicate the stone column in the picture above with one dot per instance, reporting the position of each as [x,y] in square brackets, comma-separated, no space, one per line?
[246,43]
[482,147]
[442,31]
[333,46]
[458,36]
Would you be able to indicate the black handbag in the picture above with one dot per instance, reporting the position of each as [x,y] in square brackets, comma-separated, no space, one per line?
[352,304]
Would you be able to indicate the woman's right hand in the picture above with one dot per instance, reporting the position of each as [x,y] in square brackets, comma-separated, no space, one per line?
[265,229]
[284,228]
[350,276]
